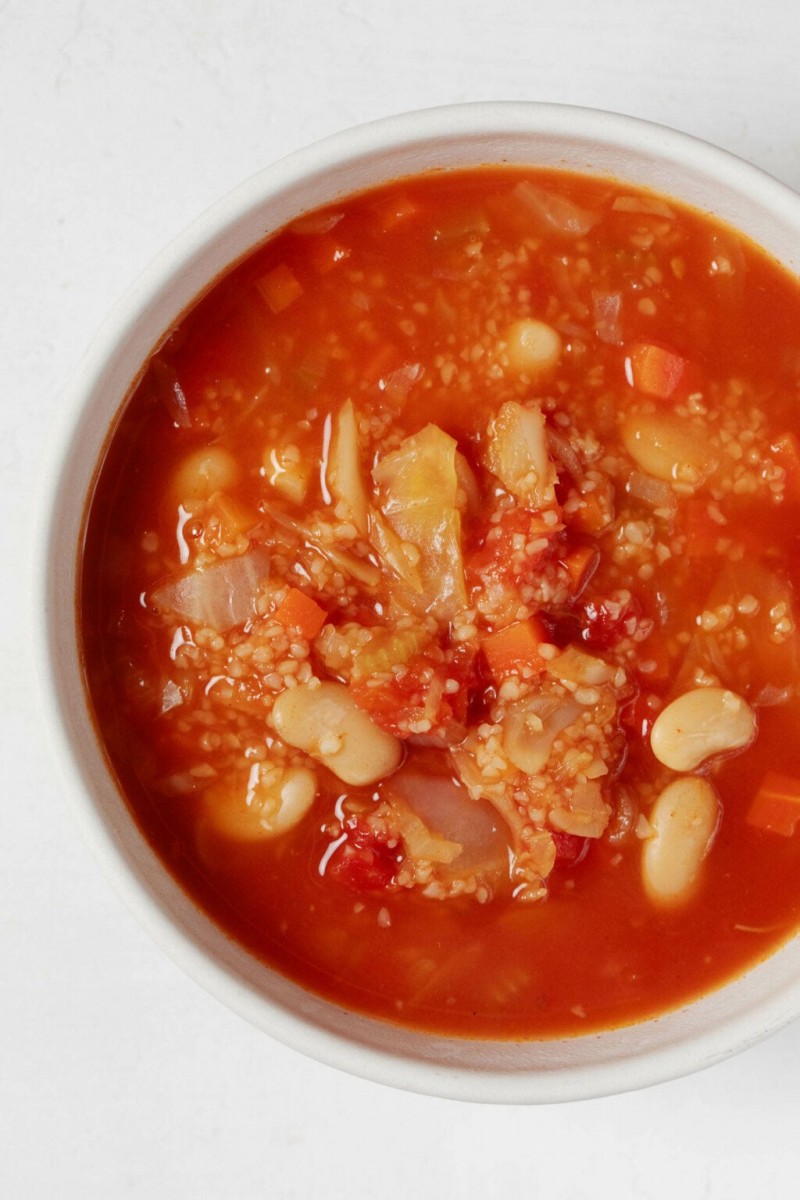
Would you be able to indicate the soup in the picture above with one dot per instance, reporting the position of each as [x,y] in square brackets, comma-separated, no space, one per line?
[437,603]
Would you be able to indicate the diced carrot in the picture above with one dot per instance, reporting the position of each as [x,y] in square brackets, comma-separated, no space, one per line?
[785,450]
[776,805]
[280,287]
[325,252]
[654,370]
[580,565]
[510,650]
[298,611]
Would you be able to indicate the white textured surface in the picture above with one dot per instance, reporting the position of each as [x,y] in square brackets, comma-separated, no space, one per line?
[118,1076]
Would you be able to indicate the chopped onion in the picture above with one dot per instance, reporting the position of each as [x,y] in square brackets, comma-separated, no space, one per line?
[358,568]
[399,383]
[566,455]
[316,222]
[657,493]
[606,308]
[171,696]
[531,726]
[220,596]
[643,204]
[559,270]
[556,212]
[449,814]
[170,392]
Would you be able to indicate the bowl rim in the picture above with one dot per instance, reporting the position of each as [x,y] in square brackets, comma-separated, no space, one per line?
[379,1065]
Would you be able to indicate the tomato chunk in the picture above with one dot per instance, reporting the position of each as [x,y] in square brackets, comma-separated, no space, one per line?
[570,849]
[365,861]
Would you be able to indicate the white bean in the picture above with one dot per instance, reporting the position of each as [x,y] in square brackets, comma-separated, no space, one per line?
[699,724]
[532,347]
[664,445]
[684,821]
[327,723]
[274,800]
[203,472]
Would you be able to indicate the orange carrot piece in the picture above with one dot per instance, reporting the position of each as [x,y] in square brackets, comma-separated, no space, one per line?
[280,287]
[298,611]
[508,651]
[654,370]
[776,805]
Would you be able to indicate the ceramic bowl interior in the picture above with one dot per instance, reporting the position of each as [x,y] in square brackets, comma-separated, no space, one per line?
[569,138]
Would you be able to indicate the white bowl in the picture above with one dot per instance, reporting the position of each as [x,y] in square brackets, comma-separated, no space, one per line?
[722,1023]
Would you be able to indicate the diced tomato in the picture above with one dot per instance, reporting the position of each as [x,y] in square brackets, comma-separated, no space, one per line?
[364,862]
[508,651]
[654,370]
[776,805]
[298,611]
[570,849]
[505,552]
[418,693]
[607,621]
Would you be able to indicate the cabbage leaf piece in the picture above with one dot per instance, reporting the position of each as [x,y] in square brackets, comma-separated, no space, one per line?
[418,486]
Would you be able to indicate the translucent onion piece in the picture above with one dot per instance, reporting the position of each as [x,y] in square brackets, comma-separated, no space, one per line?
[220,596]
[555,212]
[656,493]
[448,813]
[650,205]
[606,309]
[531,726]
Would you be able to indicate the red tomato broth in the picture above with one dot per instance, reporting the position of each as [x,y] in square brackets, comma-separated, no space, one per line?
[595,953]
